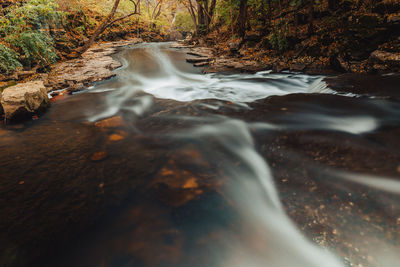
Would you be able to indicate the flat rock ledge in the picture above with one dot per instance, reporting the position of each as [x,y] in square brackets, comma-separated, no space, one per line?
[205,57]
[95,65]
[24,100]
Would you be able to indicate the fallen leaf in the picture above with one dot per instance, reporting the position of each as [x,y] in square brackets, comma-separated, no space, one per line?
[115,137]
[190,184]
[97,156]
[112,122]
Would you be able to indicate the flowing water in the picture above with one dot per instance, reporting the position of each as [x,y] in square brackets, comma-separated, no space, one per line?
[165,166]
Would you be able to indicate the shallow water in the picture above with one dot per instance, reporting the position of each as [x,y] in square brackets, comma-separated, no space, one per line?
[165,166]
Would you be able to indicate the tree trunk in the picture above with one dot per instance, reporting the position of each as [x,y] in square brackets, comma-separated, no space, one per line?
[101,28]
[201,16]
[242,19]
[311,18]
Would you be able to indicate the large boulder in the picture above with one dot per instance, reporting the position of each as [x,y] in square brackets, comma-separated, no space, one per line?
[23,100]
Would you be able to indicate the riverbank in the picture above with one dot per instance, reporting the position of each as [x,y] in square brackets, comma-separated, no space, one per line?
[316,38]
[97,64]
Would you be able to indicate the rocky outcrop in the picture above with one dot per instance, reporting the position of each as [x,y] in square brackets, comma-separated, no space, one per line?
[197,59]
[24,100]
[95,65]
[383,60]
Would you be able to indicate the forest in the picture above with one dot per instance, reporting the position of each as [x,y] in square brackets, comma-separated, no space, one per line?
[163,133]
[348,36]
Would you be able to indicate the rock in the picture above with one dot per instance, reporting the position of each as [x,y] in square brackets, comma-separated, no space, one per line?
[297,67]
[201,64]
[280,66]
[23,100]
[200,54]
[343,64]
[394,19]
[180,45]
[197,59]
[235,45]
[95,65]
[391,60]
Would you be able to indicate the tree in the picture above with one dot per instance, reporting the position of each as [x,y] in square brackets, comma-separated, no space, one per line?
[202,13]
[154,8]
[107,22]
[242,19]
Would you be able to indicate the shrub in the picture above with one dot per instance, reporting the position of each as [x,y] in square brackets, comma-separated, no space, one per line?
[34,46]
[277,39]
[23,28]
[8,59]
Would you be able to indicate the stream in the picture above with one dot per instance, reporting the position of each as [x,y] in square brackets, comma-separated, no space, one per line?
[165,166]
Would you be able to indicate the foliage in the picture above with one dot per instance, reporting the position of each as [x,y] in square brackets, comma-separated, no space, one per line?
[183,22]
[34,46]
[277,38]
[32,15]
[23,28]
[227,11]
[8,59]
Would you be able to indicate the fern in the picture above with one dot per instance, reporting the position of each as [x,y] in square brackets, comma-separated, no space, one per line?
[35,46]
[8,59]
[21,27]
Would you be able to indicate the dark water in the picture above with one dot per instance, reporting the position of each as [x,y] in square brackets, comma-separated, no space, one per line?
[164,166]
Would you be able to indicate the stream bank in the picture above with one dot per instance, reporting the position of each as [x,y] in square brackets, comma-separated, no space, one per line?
[97,64]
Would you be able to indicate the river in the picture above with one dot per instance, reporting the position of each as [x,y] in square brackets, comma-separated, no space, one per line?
[165,166]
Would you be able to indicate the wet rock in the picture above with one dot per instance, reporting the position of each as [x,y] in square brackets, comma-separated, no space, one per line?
[297,67]
[201,64]
[180,45]
[281,66]
[235,65]
[201,52]
[394,19]
[94,65]
[391,61]
[366,84]
[197,59]
[22,100]
[344,65]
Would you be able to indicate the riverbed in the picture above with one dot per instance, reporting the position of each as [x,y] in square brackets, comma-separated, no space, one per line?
[165,166]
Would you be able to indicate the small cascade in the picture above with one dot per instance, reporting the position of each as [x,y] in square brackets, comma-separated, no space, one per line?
[319,86]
